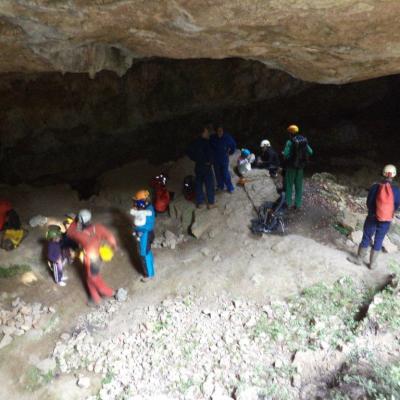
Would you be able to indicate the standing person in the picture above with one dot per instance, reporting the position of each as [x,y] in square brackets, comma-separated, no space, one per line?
[383,201]
[223,145]
[144,220]
[296,154]
[92,239]
[268,158]
[200,152]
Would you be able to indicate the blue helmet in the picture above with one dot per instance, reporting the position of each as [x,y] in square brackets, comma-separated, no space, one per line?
[245,152]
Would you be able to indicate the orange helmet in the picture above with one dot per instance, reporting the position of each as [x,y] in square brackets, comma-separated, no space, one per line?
[141,199]
[293,129]
[141,195]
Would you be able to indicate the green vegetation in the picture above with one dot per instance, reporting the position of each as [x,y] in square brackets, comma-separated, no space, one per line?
[321,314]
[35,379]
[13,270]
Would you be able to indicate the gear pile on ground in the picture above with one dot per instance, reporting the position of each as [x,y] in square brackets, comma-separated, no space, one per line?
[20,318]
[186,349]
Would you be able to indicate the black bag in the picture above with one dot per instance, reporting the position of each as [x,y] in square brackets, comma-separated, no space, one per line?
[299,158]
[270,218]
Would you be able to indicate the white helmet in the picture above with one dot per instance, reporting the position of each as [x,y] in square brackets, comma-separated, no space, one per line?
[84,216]
[389,171]
[265,143]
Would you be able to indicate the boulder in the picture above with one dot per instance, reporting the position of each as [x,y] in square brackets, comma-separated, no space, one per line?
[5,341]
[46,365]
[389,247]
[204,220]
[351,221]
[356,236]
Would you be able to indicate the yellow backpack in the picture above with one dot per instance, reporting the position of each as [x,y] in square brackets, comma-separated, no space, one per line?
[12,238]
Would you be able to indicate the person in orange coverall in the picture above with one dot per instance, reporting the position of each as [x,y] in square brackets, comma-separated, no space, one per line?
[90,237]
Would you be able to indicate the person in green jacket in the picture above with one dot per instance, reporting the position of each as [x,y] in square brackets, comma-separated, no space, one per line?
[296,154]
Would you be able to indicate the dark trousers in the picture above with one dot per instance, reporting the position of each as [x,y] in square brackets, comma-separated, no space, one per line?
[205,178]
[374,231]
[223,176]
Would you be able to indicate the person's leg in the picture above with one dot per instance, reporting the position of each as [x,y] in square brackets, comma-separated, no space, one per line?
[298,185]
[102,287]
[289,182]
[149,259]
[92,289]
[219,176]
[382,228]
[227,177]
[199,189]
[369,230]
[210,187]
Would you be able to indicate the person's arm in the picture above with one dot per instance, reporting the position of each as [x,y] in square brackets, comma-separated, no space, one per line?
[106,235]
[287,150]
[396,192]
[75,235]
[371,198]
[232,145]
[310,151]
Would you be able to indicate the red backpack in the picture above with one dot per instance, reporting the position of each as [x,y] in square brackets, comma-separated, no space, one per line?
[385,202]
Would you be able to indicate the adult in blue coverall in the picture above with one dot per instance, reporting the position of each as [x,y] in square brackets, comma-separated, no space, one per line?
[144,220]
[200,152]
[223,145]
[375,230]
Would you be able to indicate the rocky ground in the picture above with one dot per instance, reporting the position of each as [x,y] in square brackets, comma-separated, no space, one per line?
[230,315]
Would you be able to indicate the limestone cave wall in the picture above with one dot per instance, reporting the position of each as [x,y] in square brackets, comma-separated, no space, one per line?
[56,127]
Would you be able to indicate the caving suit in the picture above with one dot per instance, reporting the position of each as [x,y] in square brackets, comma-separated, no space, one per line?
[222,148]
[200,152]
[294,175]
[375,230]
[90,238]
[144,221]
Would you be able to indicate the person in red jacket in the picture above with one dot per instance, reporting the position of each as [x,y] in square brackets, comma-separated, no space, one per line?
[91,237]
[162,197]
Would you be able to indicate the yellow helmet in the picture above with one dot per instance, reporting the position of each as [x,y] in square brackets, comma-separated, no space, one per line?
[293,129]
[106,252]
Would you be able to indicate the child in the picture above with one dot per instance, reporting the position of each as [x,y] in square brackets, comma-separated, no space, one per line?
[55,257]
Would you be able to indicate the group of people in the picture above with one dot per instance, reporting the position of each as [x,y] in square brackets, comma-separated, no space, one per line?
[93,244]
[210,153]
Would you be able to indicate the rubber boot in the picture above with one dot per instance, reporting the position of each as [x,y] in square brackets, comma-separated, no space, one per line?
[359,258]
[373,259]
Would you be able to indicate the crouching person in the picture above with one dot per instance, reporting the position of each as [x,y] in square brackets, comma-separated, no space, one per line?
[55,257]
[97,244]
[144,220]
[244,162]
[382,202]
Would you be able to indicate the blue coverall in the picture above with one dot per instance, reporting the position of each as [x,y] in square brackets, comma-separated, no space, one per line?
[200,152]
[374,229]
[222,147]
[145,236]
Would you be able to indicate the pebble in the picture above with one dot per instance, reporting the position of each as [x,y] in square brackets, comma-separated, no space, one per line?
[83,382]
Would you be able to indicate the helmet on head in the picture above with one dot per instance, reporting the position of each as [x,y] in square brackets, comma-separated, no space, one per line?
[389,171]
[69,218]
[293,129]
[245,152]
[141,198]
[53,232]
[84,216]
[161,178]
[106,253]
[265,143]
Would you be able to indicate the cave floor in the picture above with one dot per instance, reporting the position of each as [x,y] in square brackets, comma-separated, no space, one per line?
[233,262]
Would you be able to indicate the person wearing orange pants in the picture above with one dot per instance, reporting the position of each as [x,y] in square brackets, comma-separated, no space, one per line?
[91,238]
